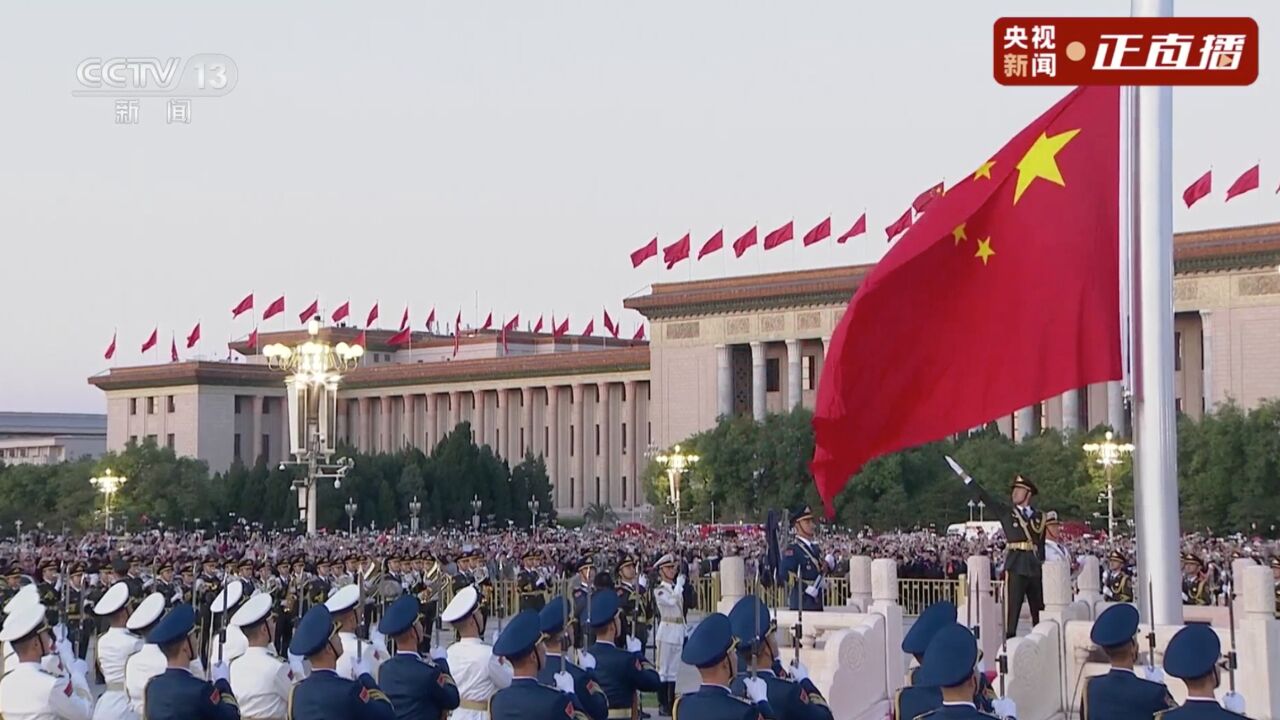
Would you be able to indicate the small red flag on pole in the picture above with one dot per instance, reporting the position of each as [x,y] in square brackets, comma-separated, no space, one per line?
[373,315]
[342,312]
[676,251]
[404,319]
[275,308]
[111,349]
[899,225]
[431,318]
[590,329]
[639,333]
[559,330]
[312,310]
[714,243]
[779,236]
[151,340]
[243,306]
[650,250]
[538,326]
[859,227]
[820,232]
[400,338]
[747,240]
[193,337]
[1243,184]
[923,199]
[173,349]
[608,324]
[1198,189]
[488,321]
[253,339]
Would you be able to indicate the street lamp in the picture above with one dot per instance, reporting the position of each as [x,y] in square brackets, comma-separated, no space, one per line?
[1109,455]
[415,507]
[475,512]
[676,463]
[972,506]
[534,506]
[107,484]
[314,368]
[351,508]
[982,508]
[18,524]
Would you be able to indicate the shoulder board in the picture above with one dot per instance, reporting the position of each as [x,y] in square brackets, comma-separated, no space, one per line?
[790,551]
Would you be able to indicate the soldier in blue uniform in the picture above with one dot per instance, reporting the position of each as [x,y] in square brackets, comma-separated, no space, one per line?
[711,649]
[622,671]
[1121,693]
[804,563]
[589,696]
[324,695]
[1193,656]
[176,694]
[916,699]
[526,698]
[792,698]
[419,688]
[949,666]
[583,588]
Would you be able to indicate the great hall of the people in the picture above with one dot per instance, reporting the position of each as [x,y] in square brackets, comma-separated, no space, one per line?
[594,408]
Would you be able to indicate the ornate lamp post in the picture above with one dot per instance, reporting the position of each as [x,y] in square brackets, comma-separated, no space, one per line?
[475,512]
[534,506]
[972,505]
[107,484]
[351,508]
[676,463]
[1109,455]
[415,507]
[18,524]
[314,368]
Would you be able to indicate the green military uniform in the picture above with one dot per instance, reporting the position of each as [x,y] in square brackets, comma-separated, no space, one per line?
[1024,552]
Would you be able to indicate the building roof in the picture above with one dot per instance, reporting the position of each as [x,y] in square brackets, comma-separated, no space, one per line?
[48,424]
[376,340]
[1237,248]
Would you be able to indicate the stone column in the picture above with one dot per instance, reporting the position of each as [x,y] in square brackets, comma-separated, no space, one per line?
[385,439]
[526,421]
[341,430]
[364,427]
[1115,408]
[724,381]
[255,429]
[579,446]
[733,584]
[483,435]
[455,411]
[1089,583]
[986,612]
[432,421]
[758,396]
[1026,419]
[409,420]
[504,425]
[554,466]
[1257,643]
[884,602]
[794,395]
[860,582]
[603,460]
[632,461]
[1071,411]
[1206,350]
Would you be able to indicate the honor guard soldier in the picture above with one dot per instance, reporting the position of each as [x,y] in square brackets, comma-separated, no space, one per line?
[325,695]
[916,699]
[1121,693]
[49,591]
[12,575]
[261,680]
[419,688]
[28,692]
[285,605]
[589,697]
[176,694]
[1117,584]
[668,596]
[526,698]
[343,607]
[124,571]
[791,698]
[316,591]
[149,661]
[1196,589]
[712,650]
[164,584]
[1024,548]
[1193,656]
[78,630]
[224,606]
[623,672]
[530,583]
[471,662]
[949,666]
[804,564]
[207,587]
[115,646]
[583,589]
[633,601]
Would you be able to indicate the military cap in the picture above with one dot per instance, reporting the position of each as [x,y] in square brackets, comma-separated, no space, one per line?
[27,595]
[313,632]
[48,565]
[934,618]
[209,561]
[665,560]
[22,622]
[1117,556]
[1051,518]
[1192,559]
[253,611]
[583,563]
[174,626]
[227,598]
[116,597]
[399,616]
[950,658]
[554,614]
[464,603]
[603,608]
[710,642]
[120,566]
[147,612]
[800,512]
[624,561]
[13,571]
[532,552]
[1193,652]
[166,565]
[1115,626]
[1025,484]
[77,568]
[520,637]
[344,599]
[751,621]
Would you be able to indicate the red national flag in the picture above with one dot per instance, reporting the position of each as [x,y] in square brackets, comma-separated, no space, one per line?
[173,349]
[275,308]
[343,311]
[431,318]
[252,341]
[639,333]
[859,227]
[312,310]
[151,340]
[111,349]
[488,321]
[1198,189]
[243,306]
[747,240]
[608,324]
[714,243]
[590,329]
[676,251]
[1243,184]
[400,338]
[923,199]
[899,225]
[512,323]
[559,330]
[193,337]
[944,361]
[373,316]
[538,326]
[820,232]
[649,250]
[779,236]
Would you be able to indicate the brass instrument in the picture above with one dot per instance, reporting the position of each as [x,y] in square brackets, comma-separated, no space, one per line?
[435,580]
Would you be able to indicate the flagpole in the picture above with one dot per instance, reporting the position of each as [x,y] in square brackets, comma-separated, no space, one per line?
[1155,425]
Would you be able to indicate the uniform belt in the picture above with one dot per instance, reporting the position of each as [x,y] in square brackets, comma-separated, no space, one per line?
[1021,546]
[474,705]
[676,621]
[115,687]
[620,712]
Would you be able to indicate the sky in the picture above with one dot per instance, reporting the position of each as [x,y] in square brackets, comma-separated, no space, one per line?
[503,156]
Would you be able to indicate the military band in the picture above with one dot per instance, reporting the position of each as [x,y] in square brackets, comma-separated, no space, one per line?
[1197,587]
[531,583]
[1117,582]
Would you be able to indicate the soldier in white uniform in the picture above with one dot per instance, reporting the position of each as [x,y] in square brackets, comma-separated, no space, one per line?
[261,680]
[342,605]
[26,596]
[149,661]
[115,647]
[28,691]
[476,671]
[223,606]
[669,639]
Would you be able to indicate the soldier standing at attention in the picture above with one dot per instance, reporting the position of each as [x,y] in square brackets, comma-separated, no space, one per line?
[668,596]
[176,694]
[261,680]
[526,698]
[419,688]
[622,670]
[530,584]
[1196,588]
[1193,656]
[804,564]
[712,650]
[589,696]
[949,666]
[472,663]
[324,695]
[792,698]
[1121,693]
[1117,585]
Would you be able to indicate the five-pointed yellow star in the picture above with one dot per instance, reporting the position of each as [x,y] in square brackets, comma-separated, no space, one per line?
[984,171]
[984,250]
[1041,161]
[958,233]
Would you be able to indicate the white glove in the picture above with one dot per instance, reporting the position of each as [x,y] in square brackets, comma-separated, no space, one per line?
[812,591]
[79,668]
[564,682]
[680,581]
[798,671]
[364,666]
[757,690]
[438,653]
[295,664]
[1005,707]
[633,645]
[586,660]
[51,664]
[220,671]
[831,560]
[644,581]
[377,638]
[60,633]
[1154,674]
[177,597]
[1234,702]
